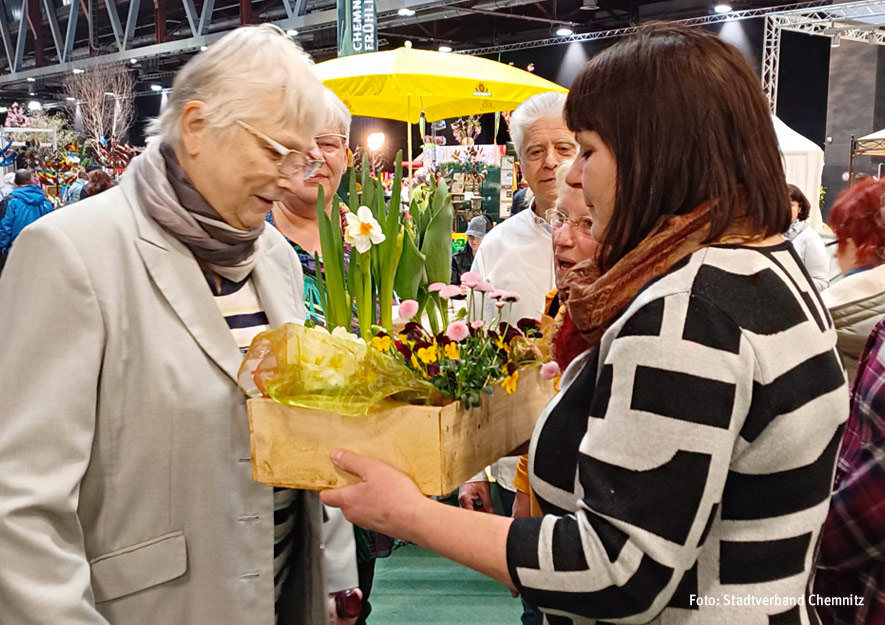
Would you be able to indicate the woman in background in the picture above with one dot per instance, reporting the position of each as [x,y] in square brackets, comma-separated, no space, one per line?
[806,241]
[857,298]
[99,181]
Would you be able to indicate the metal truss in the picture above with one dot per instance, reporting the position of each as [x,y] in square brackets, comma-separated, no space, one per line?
[852,21]
[620,32]
[771,62]
[201,31]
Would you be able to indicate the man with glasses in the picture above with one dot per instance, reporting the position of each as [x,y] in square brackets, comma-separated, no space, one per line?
[126,492]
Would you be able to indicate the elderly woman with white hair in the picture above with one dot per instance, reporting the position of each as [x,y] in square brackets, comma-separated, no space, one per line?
[126,494]
[517,255]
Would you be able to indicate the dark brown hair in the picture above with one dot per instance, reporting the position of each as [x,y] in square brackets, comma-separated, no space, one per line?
[687,122]
[98,181]
[797,196]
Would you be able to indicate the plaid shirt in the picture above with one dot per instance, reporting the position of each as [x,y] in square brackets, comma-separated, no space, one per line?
[852,550]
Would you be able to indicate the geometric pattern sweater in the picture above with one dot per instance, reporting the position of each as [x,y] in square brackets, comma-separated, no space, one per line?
[685,466]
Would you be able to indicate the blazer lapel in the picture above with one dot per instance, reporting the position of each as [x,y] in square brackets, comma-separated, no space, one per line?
[177,275]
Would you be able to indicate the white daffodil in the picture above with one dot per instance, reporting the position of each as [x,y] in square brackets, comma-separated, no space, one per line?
[363,230]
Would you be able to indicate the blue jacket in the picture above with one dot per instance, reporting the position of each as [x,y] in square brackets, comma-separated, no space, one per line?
[25,206]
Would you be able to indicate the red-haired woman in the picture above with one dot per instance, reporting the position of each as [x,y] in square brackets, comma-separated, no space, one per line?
[857,300]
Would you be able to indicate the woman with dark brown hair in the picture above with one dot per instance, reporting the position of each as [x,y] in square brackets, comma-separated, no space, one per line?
[807,242]
[99,181]
[685,464]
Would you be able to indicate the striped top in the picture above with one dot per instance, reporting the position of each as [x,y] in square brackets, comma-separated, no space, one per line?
[685,466]
[239,303]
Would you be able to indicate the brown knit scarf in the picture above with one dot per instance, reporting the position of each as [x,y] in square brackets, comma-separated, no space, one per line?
[594,300]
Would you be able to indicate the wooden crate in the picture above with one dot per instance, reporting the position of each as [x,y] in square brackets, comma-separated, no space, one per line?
[439,447]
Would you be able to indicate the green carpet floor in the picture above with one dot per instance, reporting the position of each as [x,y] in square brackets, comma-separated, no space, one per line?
[415,586]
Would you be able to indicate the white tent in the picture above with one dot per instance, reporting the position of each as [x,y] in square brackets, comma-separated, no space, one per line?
[804,166]
[871,145]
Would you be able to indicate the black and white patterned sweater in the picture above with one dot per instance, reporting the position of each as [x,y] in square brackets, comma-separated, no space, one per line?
[684,468]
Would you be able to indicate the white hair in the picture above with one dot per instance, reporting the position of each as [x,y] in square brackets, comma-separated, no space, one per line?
[235,74]
[549,104]
[562,170]
[337,114]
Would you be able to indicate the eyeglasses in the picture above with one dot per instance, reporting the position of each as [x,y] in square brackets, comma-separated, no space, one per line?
[331,143]
[557,219]
[288,161]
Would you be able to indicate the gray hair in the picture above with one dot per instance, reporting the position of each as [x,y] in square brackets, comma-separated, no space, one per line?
[561,173]
[549,104]
[337,114]
[235,73]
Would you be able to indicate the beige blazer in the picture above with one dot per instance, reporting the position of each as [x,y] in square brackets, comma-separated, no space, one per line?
[125,479]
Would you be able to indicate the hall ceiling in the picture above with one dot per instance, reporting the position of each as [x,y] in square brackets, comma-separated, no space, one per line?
[157,36]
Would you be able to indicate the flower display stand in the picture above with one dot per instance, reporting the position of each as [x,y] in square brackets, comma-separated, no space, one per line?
[438,447]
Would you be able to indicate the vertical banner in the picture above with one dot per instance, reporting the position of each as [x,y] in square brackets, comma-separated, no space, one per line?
[357,27]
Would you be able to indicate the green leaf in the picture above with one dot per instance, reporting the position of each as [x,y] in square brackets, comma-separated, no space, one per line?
[368,189]
[410,269]
[333,264]
[393,211]
[321,283]
[353,199]
[437,244]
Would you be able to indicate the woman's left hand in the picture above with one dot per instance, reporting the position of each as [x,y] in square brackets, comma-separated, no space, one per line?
[386,499]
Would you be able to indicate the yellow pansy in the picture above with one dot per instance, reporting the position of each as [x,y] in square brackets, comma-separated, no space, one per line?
[428,354]
[509,382]
[381,343]
[415,362]
[451,351]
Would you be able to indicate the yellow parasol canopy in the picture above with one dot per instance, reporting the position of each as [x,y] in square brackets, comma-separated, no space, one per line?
[399,84]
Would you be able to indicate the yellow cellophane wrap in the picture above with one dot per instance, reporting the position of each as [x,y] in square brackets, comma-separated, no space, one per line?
[339,373]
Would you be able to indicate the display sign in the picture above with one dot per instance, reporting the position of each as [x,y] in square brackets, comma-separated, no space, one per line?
[357,27]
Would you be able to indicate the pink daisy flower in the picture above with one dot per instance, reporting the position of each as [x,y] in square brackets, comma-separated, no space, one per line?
[457,331]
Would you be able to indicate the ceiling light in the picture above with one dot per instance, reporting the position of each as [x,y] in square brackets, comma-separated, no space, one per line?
[836,41]
[133,61]
[77,70]
[404,12]
[31,79]
[375,140]
[3,109]
[156,87]
[110,94]
[564,31]
[70,99]
[445,48]
[204,48]
[590,5]
[292,32]
[721,8]
[33,105]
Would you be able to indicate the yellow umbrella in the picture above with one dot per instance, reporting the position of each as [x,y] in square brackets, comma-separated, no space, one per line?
[400,84]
